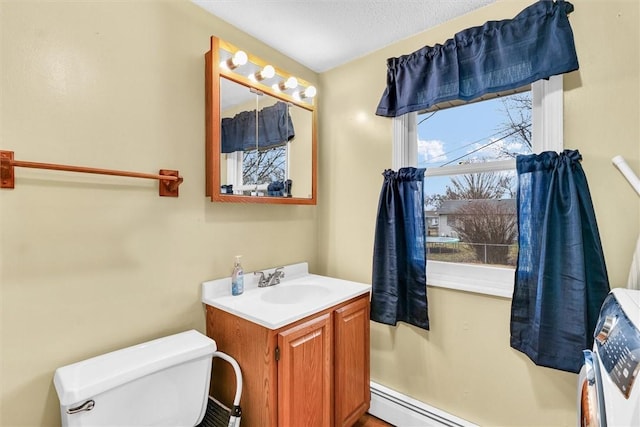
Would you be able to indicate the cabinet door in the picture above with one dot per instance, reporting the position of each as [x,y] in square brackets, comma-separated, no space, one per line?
[304,374]
[351,387]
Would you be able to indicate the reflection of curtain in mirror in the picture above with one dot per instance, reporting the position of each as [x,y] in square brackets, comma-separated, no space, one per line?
[273,123]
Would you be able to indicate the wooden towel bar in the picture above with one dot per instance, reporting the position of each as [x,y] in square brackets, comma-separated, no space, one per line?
[169,180]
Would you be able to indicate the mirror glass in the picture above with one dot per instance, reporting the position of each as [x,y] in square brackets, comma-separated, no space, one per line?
[265,144]
[261,129]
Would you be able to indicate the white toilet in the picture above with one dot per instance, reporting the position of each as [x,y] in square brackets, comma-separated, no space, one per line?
[164,382]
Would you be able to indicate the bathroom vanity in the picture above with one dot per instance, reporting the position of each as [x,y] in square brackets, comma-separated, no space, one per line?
[302,345]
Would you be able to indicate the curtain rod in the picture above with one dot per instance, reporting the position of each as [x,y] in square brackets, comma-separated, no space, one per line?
[169,180]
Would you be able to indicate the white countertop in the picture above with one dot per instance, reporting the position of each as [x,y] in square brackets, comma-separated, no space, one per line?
[298,295]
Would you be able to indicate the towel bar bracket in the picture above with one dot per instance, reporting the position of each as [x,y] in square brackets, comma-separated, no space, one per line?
[169,188]
[168,180]
[7,178]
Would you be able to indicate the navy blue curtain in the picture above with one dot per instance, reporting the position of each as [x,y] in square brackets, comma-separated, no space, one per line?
[274,125]
[399,285]
[499,55]
[561,278]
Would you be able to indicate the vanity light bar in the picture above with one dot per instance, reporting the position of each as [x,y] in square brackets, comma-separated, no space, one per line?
[238,65]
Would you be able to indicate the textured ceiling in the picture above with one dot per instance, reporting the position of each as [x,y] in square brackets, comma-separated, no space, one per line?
[322,34]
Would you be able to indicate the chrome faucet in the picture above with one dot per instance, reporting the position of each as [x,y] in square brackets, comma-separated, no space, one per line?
[271,279]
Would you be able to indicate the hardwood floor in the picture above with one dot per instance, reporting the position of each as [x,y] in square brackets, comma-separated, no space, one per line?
[370,421]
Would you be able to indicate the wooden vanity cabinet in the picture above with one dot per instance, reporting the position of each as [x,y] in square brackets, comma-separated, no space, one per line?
[305,373]
[314,372]
[351,352]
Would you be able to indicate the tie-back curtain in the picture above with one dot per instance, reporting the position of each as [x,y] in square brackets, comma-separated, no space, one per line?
[499,55]
[274,128]
[399,283]
[561,278]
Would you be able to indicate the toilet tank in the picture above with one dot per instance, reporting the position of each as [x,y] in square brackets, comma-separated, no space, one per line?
[164,382]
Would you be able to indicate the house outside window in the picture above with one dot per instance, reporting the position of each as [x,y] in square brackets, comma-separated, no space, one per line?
[469,151]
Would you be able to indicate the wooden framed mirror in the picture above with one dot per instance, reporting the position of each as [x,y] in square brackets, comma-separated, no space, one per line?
[260,131]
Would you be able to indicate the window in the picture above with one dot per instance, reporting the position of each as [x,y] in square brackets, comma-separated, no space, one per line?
[252,171]
[470,179]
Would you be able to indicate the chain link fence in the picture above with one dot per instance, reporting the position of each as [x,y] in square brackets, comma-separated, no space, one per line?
[476,253]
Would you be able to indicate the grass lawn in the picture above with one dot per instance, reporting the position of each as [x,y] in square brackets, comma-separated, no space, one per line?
[463,253]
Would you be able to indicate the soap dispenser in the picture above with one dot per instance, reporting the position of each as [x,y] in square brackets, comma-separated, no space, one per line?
[237,278]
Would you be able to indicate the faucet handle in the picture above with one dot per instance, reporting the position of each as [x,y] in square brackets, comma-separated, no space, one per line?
[262,280]
[279,271]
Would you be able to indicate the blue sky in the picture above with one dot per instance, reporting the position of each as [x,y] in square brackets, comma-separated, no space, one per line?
[454,134]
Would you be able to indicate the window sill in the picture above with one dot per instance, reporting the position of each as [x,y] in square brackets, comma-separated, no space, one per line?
[487,280]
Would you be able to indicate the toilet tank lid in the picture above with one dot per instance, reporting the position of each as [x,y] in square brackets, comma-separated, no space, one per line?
[88,378]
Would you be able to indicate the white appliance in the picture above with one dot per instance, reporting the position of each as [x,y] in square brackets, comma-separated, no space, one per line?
[608,393]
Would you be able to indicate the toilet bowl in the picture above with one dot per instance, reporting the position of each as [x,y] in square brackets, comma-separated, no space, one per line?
[164,382]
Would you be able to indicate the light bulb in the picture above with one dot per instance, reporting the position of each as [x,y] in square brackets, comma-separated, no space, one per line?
[309,92]
[290,83]
[266,73]
[239,58]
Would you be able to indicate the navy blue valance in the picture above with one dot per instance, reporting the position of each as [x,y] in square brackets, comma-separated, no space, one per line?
[499,55]
[274,126]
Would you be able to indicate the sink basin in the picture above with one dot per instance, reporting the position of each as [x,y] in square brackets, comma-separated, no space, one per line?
[293,294]
[298,295]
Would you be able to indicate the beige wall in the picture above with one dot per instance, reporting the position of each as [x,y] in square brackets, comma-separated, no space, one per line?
[464,365]
[90,263]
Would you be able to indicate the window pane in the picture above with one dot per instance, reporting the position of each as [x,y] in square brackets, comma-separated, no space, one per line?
[471,218]
[463,225]
[264,166]
[499,128]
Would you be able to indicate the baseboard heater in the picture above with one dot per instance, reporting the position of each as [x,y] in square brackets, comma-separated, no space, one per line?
[403,411]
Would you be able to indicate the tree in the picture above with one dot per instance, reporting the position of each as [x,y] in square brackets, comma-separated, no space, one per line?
[482,185]
[515,130]
[264,166]
[488,221]
[433,201]
[491,224]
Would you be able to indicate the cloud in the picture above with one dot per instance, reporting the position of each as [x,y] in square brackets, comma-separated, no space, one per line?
[496,149]
[511,145]
[431,151]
